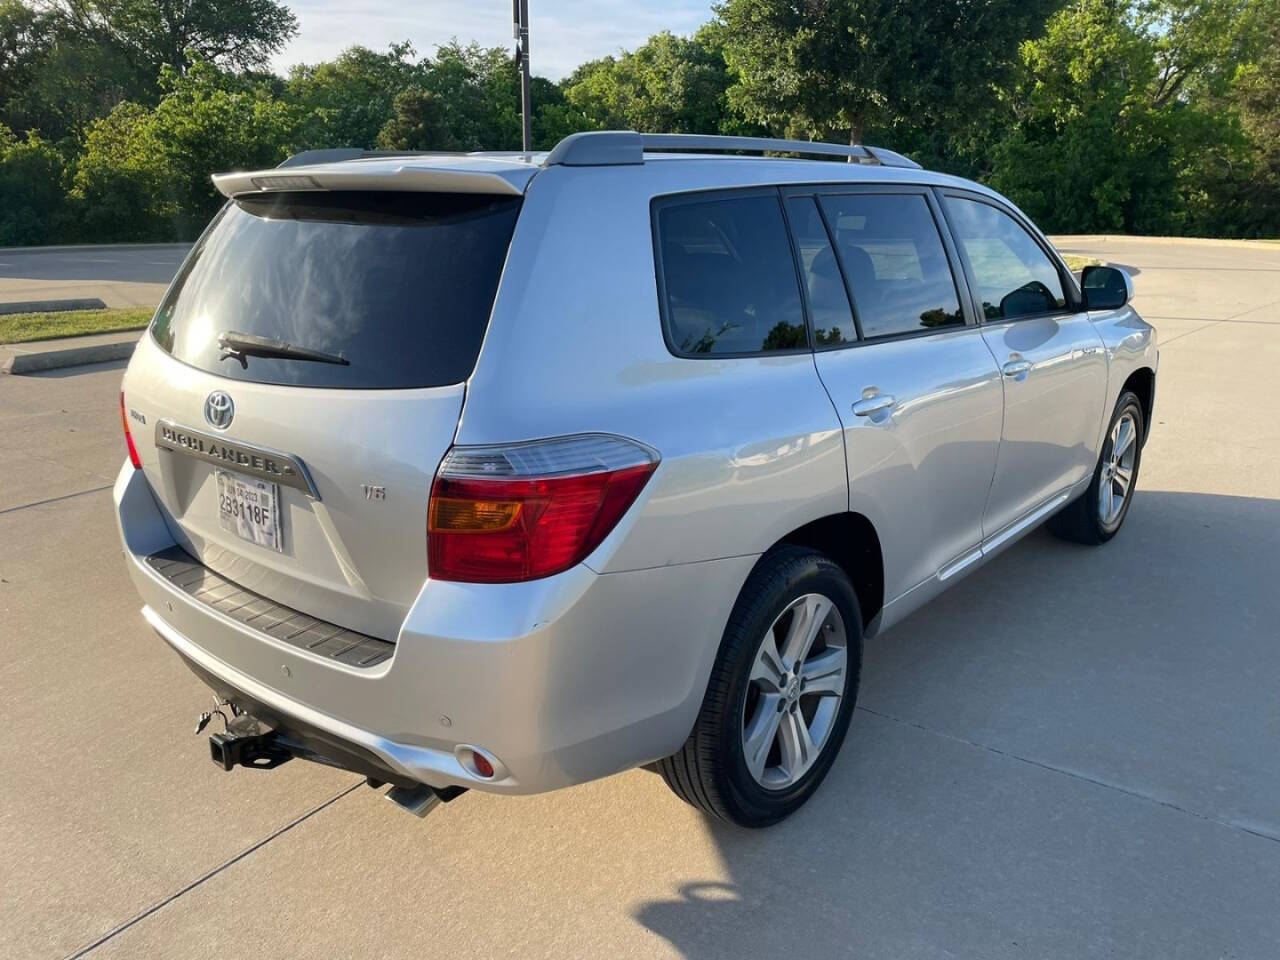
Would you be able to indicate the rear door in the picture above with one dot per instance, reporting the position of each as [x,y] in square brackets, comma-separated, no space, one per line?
[912,380]
[1052,359]
[305,476]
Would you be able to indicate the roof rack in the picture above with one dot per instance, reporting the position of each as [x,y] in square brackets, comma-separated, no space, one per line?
[621,147]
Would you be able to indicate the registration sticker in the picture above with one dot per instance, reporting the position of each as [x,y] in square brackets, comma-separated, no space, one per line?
[249,508]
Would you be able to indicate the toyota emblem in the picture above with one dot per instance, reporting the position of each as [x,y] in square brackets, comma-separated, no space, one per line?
[218,410]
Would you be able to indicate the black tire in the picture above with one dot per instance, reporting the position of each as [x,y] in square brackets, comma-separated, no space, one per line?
[710,771]
[1081,520]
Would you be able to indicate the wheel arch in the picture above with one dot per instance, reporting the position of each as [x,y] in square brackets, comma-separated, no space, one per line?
[851,541]
[1143,383]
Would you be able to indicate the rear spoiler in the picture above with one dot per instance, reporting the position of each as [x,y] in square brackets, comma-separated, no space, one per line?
[362,170]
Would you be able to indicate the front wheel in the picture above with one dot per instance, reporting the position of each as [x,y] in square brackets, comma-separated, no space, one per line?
[1096,515]
[780,696]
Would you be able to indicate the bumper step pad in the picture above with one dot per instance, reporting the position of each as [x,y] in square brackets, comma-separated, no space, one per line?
[273,619]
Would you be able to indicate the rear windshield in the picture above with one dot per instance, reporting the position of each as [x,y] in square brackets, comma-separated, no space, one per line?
[397,285]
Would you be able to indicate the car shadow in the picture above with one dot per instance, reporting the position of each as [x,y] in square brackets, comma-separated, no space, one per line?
[1128,268]
[1027,748]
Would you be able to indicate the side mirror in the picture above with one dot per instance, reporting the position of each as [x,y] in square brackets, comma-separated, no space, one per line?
[1106,288]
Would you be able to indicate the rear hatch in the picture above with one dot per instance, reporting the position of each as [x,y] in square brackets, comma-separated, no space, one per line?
[303,379]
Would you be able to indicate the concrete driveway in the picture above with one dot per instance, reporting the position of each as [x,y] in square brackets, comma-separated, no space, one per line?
[1074,753]
[121,276]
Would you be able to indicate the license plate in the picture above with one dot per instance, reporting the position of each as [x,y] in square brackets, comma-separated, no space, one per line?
[249,508]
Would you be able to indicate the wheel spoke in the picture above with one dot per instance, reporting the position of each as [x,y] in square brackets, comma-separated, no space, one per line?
[761,732]
[1123,477]
[807,618]
[767,671]
[1124,438]
[823,674]
[797,746]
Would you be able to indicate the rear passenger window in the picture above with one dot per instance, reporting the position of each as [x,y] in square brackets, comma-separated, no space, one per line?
[728,279]
[1014,276]
[893,257]
[828,301]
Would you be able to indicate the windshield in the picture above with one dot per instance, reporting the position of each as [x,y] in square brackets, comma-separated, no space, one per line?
[398,284]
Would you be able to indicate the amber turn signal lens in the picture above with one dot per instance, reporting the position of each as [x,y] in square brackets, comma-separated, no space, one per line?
[474,516]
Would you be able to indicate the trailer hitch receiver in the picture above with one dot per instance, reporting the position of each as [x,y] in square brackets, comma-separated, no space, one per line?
[248,742]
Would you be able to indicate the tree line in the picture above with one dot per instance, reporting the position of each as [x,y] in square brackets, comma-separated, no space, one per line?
[1137,116]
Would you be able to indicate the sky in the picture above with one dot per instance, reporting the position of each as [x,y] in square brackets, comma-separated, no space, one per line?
[563,33]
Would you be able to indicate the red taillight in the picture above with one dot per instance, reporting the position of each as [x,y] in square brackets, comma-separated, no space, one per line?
[504,514]
[128,437]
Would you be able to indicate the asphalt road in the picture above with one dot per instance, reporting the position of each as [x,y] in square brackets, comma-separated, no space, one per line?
[120,276]
[1074,753]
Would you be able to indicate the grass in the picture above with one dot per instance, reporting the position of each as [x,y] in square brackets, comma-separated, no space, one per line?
[1078,263]
[22,327]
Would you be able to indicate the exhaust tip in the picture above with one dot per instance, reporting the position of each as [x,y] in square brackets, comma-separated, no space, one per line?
[419,801]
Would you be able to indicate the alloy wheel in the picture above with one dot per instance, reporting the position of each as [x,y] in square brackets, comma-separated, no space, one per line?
[1116,482]
[796,686]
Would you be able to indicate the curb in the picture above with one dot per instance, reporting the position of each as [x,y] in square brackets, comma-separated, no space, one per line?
[51,306]
[1095,239]
[38,356]
[86,247]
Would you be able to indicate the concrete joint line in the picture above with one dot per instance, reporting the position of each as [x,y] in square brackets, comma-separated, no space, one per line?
[40,503]
[1075,775]
[213,873]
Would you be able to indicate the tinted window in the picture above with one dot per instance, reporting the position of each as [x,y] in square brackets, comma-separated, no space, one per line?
[828,302]
[728,276]
[893,257]
[1015,278]
[399,284]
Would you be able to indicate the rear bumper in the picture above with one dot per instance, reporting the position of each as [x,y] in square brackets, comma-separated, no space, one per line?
[563,679]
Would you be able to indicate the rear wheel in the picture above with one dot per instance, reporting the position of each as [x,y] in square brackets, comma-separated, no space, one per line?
[780,696]
[1096,515]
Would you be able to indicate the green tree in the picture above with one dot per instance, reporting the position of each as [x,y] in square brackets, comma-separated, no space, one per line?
[827,68]
[1111,126]
[32,176]
[419,123]
[236,34]
[122,189]
[670,84]
[56,80]
[1244,198]
[351,98]
[145,174]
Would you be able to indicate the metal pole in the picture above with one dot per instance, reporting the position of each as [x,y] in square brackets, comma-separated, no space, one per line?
[526,107]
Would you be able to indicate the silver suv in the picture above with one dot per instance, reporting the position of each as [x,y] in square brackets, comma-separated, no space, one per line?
[507,472]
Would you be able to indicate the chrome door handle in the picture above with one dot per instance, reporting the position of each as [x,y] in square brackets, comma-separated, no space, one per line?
[873,404]
[1016,368]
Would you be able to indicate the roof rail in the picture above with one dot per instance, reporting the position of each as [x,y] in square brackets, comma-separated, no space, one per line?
[621,147]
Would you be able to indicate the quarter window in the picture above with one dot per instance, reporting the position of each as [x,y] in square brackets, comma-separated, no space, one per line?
[894,261]
[1013,275]
[728,277]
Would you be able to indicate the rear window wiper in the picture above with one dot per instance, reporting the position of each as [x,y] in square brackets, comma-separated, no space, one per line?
[239,346]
